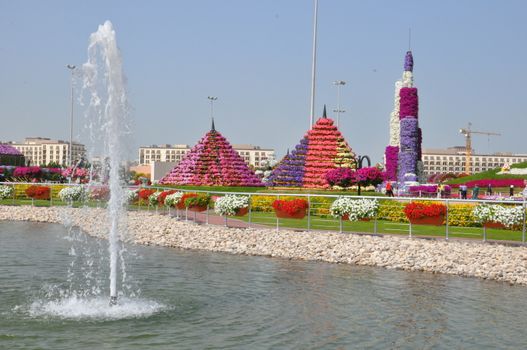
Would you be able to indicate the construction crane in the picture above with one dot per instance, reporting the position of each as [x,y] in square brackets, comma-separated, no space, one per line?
[468,144]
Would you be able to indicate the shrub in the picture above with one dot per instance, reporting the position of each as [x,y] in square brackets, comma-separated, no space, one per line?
[38,192]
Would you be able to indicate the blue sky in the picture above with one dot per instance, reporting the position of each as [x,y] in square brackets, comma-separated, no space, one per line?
[470,65]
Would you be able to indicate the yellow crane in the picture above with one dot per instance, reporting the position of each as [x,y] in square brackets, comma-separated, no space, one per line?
[468,144]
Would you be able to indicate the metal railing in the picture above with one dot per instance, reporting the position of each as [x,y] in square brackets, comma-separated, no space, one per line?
[390,219]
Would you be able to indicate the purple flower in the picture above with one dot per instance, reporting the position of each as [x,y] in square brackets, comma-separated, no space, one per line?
[409,102]
[9,150]
[409,62]
[391,156]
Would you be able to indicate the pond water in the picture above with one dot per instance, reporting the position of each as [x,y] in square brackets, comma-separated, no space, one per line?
[53,295]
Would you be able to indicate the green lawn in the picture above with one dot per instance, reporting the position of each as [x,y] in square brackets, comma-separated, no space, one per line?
[383,227]
[490,174]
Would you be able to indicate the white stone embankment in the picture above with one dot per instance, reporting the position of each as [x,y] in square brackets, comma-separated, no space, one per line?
[487,261]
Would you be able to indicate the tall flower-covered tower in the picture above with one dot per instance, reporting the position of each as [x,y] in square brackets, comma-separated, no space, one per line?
[212,162]
[403,154]
[321,149]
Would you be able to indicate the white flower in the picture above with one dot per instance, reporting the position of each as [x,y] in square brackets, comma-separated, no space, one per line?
[6,192]
[408,79]
[173,199]
[152,199]
[230,204]
[507,216]
[131,195]
[355,208]
[395,124]
[72,194]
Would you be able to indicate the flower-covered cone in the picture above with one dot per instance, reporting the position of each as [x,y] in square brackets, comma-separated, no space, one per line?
[212,162]
[323,148]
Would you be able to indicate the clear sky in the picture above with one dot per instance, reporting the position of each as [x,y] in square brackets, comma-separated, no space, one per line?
[470,65]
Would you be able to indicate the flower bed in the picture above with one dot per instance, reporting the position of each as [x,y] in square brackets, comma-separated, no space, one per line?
[293,208]
[173,199]
[232,205]
[354,209]
[38,192]
[197,202]
[419,213]
[6,192]
[508,216]
[99,193]
[72,194]
[153,199]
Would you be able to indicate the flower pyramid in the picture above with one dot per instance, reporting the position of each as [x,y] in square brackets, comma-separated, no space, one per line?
[323,148]
[212,162]
[403,154]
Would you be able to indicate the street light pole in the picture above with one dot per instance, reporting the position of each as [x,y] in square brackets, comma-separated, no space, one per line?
[313,67]
[70,153]
[338,83]
[212,99]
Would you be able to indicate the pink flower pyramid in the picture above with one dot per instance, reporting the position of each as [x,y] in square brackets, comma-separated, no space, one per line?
[326,149]
[212,162]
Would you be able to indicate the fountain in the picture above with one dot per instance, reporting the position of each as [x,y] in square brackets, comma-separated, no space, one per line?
[108,114]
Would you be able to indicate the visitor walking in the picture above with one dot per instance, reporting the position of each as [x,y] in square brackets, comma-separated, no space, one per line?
[489,190]
[511,190]
[389,189]
[475,192]
[463,189]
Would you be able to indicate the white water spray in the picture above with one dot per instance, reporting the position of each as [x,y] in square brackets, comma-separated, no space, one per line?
[108,113]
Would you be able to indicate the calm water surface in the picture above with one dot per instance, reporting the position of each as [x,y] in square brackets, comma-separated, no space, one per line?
[198,300]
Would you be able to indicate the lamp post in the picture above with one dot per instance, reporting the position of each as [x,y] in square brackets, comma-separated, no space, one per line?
[338,83]
[70,159]
[313,67]
[360,159]
[212,99]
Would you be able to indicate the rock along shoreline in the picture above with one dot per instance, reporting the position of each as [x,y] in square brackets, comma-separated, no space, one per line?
[469,259]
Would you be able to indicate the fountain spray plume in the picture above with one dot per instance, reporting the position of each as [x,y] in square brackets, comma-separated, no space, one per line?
[108,113]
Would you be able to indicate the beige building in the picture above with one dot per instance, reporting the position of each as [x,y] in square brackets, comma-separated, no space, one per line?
[252,155]
[42,150]
[452,160]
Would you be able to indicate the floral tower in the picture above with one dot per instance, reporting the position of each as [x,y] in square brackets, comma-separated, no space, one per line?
[212,162]
[323,148]
[403,154]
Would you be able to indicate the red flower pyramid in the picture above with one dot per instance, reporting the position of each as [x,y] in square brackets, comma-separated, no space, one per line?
[212,162]
[326,149]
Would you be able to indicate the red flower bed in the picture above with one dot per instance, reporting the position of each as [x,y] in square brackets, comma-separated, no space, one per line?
[144,193]
[38,192]
[290,207]
[163,195]
[418,210]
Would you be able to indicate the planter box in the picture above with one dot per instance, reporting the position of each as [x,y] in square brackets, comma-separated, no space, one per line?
[242,211]
[429,220]
[197,208]
[180,205]
[492,224]
[298,215]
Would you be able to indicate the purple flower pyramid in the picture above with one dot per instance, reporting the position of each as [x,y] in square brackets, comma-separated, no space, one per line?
[212,162]
[404,151]
[290,171]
